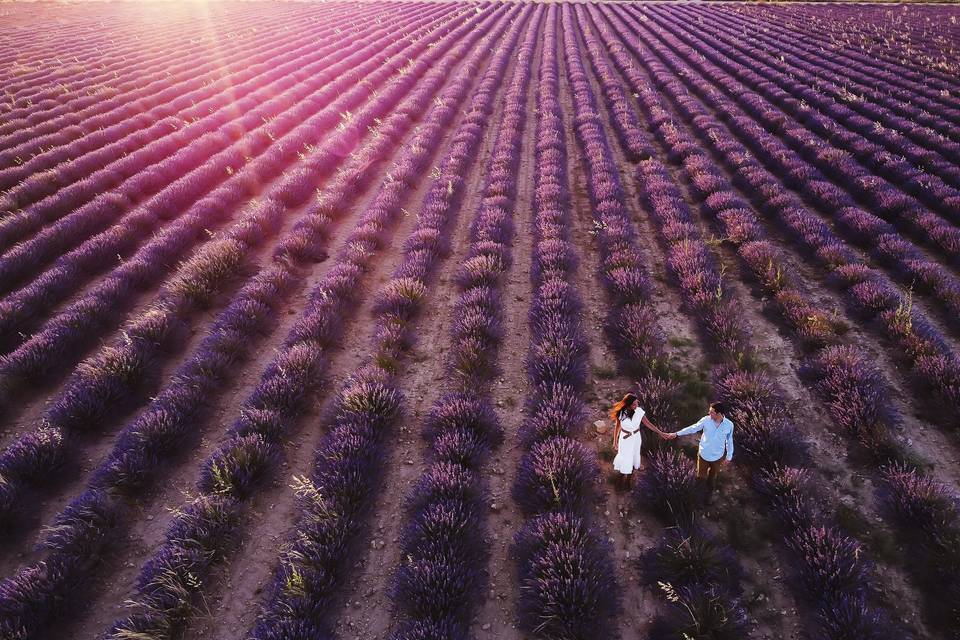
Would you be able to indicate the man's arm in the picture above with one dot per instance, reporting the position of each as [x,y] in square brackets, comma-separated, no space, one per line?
[697,426]
[730,444]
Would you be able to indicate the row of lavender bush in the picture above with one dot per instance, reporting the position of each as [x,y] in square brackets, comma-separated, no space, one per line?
[229,476]
[103,385]
[926,510]
[57,343]
[879,152]
[565,566]
[78,122]
[837,163]
[917,119]
[61,102]
[194,169]
[55,89]
[339,491]
[837,586]
[695,572]
[443,547]
[31,78]
[854,390]
[24,57]
[935,367]
[158,433]
[920,168]
[87,57]
[263,162]
[908,262]
[892,66]
[67,176]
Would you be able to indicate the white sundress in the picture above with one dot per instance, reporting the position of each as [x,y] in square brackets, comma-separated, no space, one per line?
[628,453]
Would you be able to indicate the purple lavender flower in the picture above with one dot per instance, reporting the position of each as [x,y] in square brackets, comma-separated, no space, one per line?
[577,603]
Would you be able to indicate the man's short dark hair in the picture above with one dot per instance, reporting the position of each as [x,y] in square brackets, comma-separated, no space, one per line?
[719,407]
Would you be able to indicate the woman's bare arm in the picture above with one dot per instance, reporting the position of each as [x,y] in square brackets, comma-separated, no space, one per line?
[650,425]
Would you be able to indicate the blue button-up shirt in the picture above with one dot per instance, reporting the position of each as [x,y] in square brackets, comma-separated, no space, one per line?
[715,437]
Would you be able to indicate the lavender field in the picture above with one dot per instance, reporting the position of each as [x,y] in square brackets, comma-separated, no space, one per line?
[311,315]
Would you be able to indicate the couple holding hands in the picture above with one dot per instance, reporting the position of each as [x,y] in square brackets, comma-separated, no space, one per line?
[716,439]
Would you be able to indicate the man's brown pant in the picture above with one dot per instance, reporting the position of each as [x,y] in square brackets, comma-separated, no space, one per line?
[708,471]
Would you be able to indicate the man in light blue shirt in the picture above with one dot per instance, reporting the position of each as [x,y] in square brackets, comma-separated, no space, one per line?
[716,440]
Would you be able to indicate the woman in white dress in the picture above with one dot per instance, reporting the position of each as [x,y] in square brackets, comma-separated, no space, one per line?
[629,417]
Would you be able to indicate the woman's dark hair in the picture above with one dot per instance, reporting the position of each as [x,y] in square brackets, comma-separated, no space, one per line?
[719,407]
[623,405]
